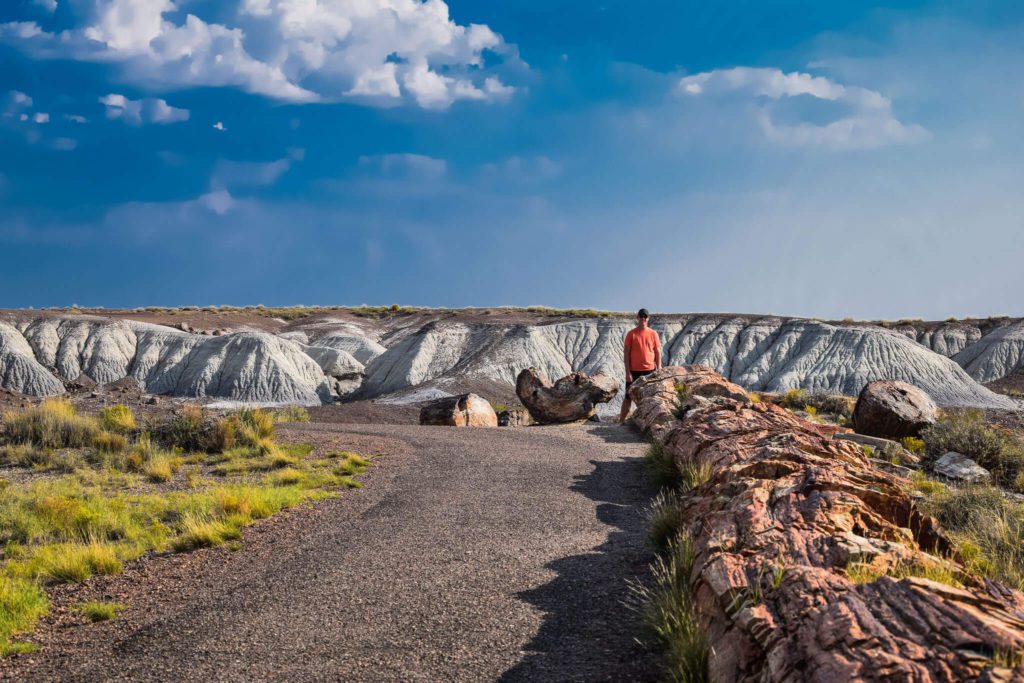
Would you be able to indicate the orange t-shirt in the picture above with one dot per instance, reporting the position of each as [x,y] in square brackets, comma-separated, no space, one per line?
[640,347]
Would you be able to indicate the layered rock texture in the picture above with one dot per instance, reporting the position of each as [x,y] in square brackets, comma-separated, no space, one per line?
[573,397]
[467,410]
[800,546]
[309,360]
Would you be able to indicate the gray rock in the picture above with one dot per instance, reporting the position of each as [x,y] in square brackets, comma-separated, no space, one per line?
[961,469]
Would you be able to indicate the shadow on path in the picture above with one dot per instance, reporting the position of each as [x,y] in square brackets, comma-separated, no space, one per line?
[588,632]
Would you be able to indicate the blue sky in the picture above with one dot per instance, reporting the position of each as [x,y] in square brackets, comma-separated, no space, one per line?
[808,158]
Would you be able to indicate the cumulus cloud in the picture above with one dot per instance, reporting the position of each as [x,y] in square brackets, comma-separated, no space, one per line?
[380,52]
[220,126]
[867,120]
[137,112]
[41,117]
[48,5]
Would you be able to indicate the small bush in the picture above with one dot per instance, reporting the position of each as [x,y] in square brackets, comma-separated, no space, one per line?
[161,468]
[913,444]
[99,611]
[669,613]
[661,468]
[663,518]
[109,442]
[117,418]
[694,473]
[287,477]
[22,602]
[224,434]
[205,533]
[54,423]
[997,450]
[257,425]
[187,429]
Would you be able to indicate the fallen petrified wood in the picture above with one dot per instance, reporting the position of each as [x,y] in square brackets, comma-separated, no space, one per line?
[466,410]
[569,399]
[786,512]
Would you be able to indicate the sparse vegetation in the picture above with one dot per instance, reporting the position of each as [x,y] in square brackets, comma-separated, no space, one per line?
[663,520]
[938,571]
[291,414]
[694,473]
[998,450]
[117,418]
[99,611]
[109,494]
[661,468]
[815,403]
[669,613]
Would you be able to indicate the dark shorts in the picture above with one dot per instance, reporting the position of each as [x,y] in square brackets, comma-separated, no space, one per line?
[637,374]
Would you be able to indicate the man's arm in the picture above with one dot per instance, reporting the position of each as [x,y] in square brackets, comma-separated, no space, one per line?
[657,354]
[629,375]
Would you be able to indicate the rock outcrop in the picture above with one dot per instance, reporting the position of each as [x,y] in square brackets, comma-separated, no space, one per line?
[656,395]
[893,410]
[960,469]
[570,399]
[467,410]
[442,350]
[246,366]
[799,549]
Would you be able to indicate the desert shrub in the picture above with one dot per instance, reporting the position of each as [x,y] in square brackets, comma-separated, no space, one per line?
[187,429]
[161,467]
[996,449]
[913,444]
[669,613]
[291,414]
[109,442]
[54,423]
[255,425]
[661,468]
[818,402]
[99,611]
[224,434]
[663,518]
[987,529]
[694,473]
[117,418]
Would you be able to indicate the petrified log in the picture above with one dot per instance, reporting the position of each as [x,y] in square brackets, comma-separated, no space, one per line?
[569,399]
[892,410]
[656,395]
[467,410]
[787,511]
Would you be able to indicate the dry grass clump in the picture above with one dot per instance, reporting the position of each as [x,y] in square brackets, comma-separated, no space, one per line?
[668,611]
[117,418]
[663,517]
[998,450]
[661,468]
[938,571]
[54,423]
[99,611]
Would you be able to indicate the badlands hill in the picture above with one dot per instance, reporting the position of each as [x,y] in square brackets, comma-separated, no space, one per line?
[313,356]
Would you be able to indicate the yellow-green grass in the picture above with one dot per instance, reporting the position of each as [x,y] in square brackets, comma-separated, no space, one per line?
[291,414]
[113,506]
[99,611]
[938,571]
[117,418]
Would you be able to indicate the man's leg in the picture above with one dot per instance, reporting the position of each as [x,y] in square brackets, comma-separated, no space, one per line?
[626,404]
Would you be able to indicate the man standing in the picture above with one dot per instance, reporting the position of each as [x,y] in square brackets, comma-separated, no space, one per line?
[643,355]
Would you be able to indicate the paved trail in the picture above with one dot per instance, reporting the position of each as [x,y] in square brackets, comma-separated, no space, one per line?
[473,555]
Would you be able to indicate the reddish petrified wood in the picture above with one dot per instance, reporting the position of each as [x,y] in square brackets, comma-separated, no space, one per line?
[786,500]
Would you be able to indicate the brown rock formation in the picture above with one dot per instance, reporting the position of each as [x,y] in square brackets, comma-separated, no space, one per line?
[892,410]
[467,410]
[569,399]
[786,512]
[656,395]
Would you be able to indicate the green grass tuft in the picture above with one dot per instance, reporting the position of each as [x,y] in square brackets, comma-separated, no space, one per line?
[99,611]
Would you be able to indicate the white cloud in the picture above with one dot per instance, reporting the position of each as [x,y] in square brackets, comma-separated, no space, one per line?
[48,5]
[218,201]
[18,100]
[867,122]
[64,144]
[228,174]
[137,112]
[76,118]
[405,164]
[41,117]
[220,126]
[378,51]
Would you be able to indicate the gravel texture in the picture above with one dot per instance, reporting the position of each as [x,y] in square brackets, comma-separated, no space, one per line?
[470,554]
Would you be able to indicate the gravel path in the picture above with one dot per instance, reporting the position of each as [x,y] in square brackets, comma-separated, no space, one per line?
[470,555]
